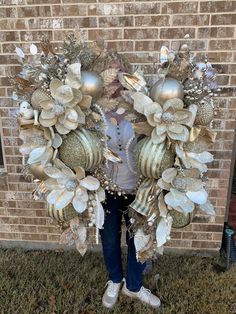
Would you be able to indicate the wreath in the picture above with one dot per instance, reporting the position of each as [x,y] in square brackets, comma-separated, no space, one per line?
[63,95]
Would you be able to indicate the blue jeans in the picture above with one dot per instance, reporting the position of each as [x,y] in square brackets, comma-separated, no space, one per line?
[111,243]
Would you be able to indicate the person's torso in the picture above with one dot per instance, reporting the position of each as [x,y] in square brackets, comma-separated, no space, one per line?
[121,143]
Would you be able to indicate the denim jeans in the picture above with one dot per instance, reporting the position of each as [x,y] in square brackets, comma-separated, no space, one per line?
[111,243]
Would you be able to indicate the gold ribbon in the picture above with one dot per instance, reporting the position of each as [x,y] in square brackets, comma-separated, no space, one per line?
[202,131]
[145,200]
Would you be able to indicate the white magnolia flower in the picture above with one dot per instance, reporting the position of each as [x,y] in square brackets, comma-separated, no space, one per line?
[69,187]
[185,190]
[39,144]
[194,160]
[168,120]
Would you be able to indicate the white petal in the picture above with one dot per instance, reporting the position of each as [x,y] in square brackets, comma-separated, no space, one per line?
[19,52]
[79,204]
[60,198]
[90,183]
[81,248]
[51,184]
[199,197]
[53,195]
[183,137]
[162,206]
[80,242]
[141,101]
[101,194]
[33,49]
[99,214]
[204,157]
[171,201]
[36,155]
[163,230]
[141,240]
[54,172]
[152,108]
[163,185]
[82,193]
[169,174]
[208,208]
[157,139]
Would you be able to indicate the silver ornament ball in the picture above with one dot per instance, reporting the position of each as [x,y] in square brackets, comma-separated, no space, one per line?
[166,89]
[92,84]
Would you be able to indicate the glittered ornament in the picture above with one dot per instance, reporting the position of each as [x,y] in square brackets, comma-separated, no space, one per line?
[165,89]
[64,214]
[205,113]
[92,84]
[81,148]
[152,159]
[180,220]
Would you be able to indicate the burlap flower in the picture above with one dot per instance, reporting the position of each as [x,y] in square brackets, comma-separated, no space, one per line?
[185,190]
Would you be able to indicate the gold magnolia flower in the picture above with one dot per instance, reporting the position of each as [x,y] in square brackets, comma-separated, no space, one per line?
[66,187]
[62,107]
[185,190]
[170,120]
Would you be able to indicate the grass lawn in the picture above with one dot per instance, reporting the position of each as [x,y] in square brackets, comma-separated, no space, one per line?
[64,282]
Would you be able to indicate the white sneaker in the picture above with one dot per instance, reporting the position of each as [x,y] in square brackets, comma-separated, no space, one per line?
[143,295]
[111,294]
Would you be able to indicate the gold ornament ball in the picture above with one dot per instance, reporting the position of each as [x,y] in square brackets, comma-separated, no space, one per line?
[92,84]
[81,148]
[152,159]
[37,171]
[64,214]
[165,89]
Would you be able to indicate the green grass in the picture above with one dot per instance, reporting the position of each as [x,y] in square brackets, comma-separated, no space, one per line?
[66,283]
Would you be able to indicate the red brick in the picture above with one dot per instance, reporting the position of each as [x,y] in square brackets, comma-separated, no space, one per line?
[175,33]
[106,9]
[179,7]
[105,34]
[34,11]
[190,20]
[69,10]
[220,44]
[223,19]
[217,6]
[218,32]
[115,21]
[157,21]
[141,33]
[120,46]
[141,8]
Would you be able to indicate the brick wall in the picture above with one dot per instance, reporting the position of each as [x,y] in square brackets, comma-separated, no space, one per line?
[137,29]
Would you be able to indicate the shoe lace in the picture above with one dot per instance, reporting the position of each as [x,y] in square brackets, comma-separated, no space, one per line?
[112,287]
[146,293]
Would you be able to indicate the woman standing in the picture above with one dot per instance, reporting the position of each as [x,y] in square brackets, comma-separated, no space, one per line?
[120,131]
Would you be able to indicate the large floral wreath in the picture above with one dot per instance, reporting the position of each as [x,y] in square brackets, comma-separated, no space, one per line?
[63,100]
